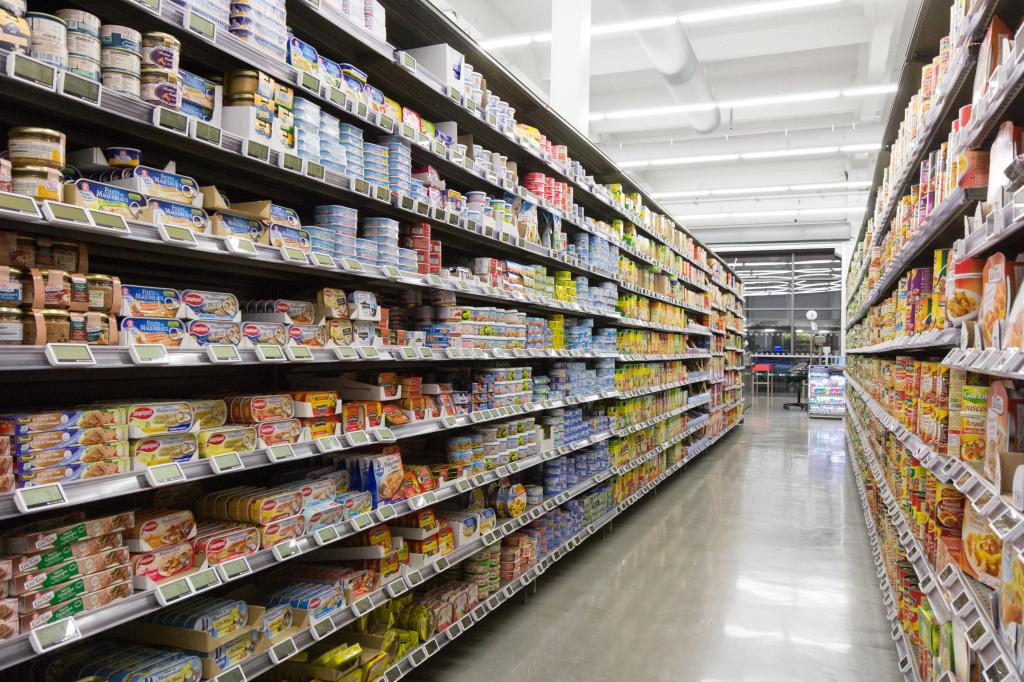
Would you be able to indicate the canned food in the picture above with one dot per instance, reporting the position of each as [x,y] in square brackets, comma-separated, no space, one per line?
[55,328]
[85,67]
[101,292]
[161,50]
[124,82]
[90,328]
[161,87]
[36,147]
[119,58]
[121,37]
[5,176]
[49,35]
[56,255]
[79,21]
[38,182]
[83,45]
[12,332]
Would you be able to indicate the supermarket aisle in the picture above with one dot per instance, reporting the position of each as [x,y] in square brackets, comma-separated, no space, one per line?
[752,564]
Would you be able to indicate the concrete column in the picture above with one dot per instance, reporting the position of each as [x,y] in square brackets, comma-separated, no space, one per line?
[570,61]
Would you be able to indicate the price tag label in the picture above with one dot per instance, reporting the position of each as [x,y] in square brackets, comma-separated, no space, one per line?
[362,521]
[386,512]
[222,353]
[40,497]
[173,591]
[463,485]
[299,353]
[236,568]
[323,628]
[31,71]
[314,170]
[387,123]
[326,535]
[328,444]
[80,88]
[360,186]
[286,550]
[449,422]
[181,236]
[241,247]
[164,474]
[170,120]
[290,162]
[382,194]
[384,435]
[205,132]
[54,635]
[291,254]
[282,651]
[229,461]
[362,606]
[148,354]
[345,353]
[269,352]
[204,580]
[368,352]
[357,438]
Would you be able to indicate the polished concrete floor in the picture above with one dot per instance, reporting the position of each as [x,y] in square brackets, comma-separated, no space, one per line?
[752,564]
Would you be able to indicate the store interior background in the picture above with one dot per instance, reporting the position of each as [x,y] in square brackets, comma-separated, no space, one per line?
[780,182]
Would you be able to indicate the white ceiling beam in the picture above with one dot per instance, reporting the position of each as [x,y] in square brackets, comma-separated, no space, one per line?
[570,62]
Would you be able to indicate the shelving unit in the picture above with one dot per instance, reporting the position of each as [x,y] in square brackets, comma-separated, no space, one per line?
[704,298]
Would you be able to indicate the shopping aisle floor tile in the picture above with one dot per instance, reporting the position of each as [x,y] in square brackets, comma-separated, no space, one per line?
[751,565]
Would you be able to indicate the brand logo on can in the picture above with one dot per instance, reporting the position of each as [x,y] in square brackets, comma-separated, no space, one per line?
[216,439]
[267,429]
[193,299]
[148,446]
[200,329]
[258,403]
[295,332]
[149,526]
[141,413]
[269,505]
[281,307]
[251,331]
[217,545]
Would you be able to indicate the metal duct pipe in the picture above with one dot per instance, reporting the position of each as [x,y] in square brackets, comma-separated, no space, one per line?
[670,51]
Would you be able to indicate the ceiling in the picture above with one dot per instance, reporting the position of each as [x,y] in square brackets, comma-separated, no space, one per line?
[802,86]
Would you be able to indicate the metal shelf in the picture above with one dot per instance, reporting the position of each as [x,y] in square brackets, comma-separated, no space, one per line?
[106,487]
[647,423]
[140,603]
[663,298]
[415,658]
[943,104]
[904,650]
[934,338]
[704,376]
[945,215]
[991,110]
[951,587]
[655,357]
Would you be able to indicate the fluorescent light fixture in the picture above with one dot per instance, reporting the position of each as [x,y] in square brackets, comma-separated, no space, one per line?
[660,22]
[781,153]
[869,90]
[751,10]
[795,214]
[631,26]
[681,195]
[867,147]
[744,103]
[507,41]
[749,190]
[853,184]
[838,210]
[687,160]
[633,164]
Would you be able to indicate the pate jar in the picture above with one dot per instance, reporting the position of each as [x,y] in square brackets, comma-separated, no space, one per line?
[51,325]
[101,292]
[12,332]
[90,328]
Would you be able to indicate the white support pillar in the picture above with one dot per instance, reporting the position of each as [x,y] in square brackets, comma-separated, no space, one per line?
[570,61]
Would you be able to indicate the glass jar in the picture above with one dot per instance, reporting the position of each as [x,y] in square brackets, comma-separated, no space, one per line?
[56,289]
[55,254]
[89,328]
[101,292]
[12,333]
[38,182]
[10,286]
[36,147]
[56,326]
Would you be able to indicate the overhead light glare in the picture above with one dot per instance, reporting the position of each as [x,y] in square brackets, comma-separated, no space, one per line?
[752,9]
[869,90]
[687,160]
[852,184]
[631,26]
[868,147]
[749,190]
[682,194]
[781,153]
[507,41]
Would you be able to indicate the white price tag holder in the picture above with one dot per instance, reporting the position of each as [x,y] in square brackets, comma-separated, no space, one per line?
[227,462]
[323,628]
[357,438]
[38,498]
[326,535]
[174,591]
[219,353]
[281,452]
[286,550]
[282,651]
[368,352]
[69,355]
[204,580]
[234,569]
[164,474]
[383,435]
[363,521]
[299,353]
[269,352]
[345,353]
[328,444]
[54,635]
[148,354]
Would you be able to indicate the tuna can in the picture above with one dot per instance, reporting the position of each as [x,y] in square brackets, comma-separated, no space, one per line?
[124,82]
[83,45]
[117,58]
[160,50]
[38,182]
[120,37]
[48,41]
[84,67]
[80,21]
[36,147]
[161,87]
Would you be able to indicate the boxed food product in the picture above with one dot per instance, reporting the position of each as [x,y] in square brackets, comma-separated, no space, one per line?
[164,448]
[67,438]
[51,576]
[973,412]
[156,528]
[221,542]
[84,418]
[279,431]
[152,568]
[145,419]
[32,563]
[240,438]
[63,457]
[998,288]
[982,549]
[216,616]
[281,530]
[81,604]
[250,409]
[76,587]
[1004,424]
[64,530]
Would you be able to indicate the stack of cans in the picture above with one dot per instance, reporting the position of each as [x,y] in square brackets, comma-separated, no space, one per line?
[383,232]
[333,154]
[263,24]
[342,222]
[307,130]
[83,43]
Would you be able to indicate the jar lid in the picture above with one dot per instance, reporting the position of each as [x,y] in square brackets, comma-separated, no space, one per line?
[166,37]
[43,15]
[98,278]
[34,170]
[14,272]
[27,130]
[10,311]
[243,74]
[46,273]
[54,312]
